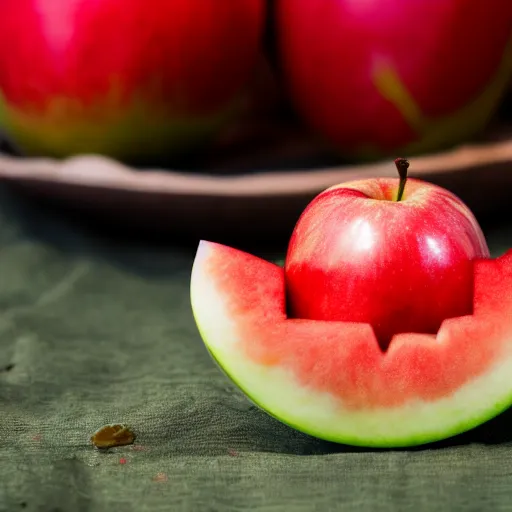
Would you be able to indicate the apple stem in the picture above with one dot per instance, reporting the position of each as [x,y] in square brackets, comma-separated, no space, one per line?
[402,164]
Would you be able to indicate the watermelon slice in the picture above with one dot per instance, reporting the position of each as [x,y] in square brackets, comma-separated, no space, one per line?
[331,379]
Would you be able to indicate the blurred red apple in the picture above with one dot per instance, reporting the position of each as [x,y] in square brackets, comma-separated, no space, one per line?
[381,77]
[133,79]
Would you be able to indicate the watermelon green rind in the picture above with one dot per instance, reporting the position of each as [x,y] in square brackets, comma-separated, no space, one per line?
[277,391]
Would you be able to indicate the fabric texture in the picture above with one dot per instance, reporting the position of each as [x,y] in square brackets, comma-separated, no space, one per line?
[96,331]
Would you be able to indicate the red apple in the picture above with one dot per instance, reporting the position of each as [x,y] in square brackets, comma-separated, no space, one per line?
[378,77]
[128,78]
[358,254]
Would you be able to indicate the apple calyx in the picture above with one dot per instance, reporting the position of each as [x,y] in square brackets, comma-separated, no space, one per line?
[402,164]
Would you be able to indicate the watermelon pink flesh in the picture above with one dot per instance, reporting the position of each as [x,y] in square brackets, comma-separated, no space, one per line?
[331,380]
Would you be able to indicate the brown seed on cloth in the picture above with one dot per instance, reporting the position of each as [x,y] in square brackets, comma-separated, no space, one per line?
[112,435]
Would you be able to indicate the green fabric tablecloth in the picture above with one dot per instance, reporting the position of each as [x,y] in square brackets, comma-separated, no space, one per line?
[96,331]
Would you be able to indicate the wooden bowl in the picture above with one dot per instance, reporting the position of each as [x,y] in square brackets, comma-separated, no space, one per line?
[255,187]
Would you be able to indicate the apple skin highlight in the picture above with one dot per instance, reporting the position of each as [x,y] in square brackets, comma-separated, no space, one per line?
[126,78]
[358,255]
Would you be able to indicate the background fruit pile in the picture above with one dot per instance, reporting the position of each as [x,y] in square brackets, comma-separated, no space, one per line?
[148,82]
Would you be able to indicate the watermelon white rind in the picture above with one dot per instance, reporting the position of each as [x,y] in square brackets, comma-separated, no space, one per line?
[330,379]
